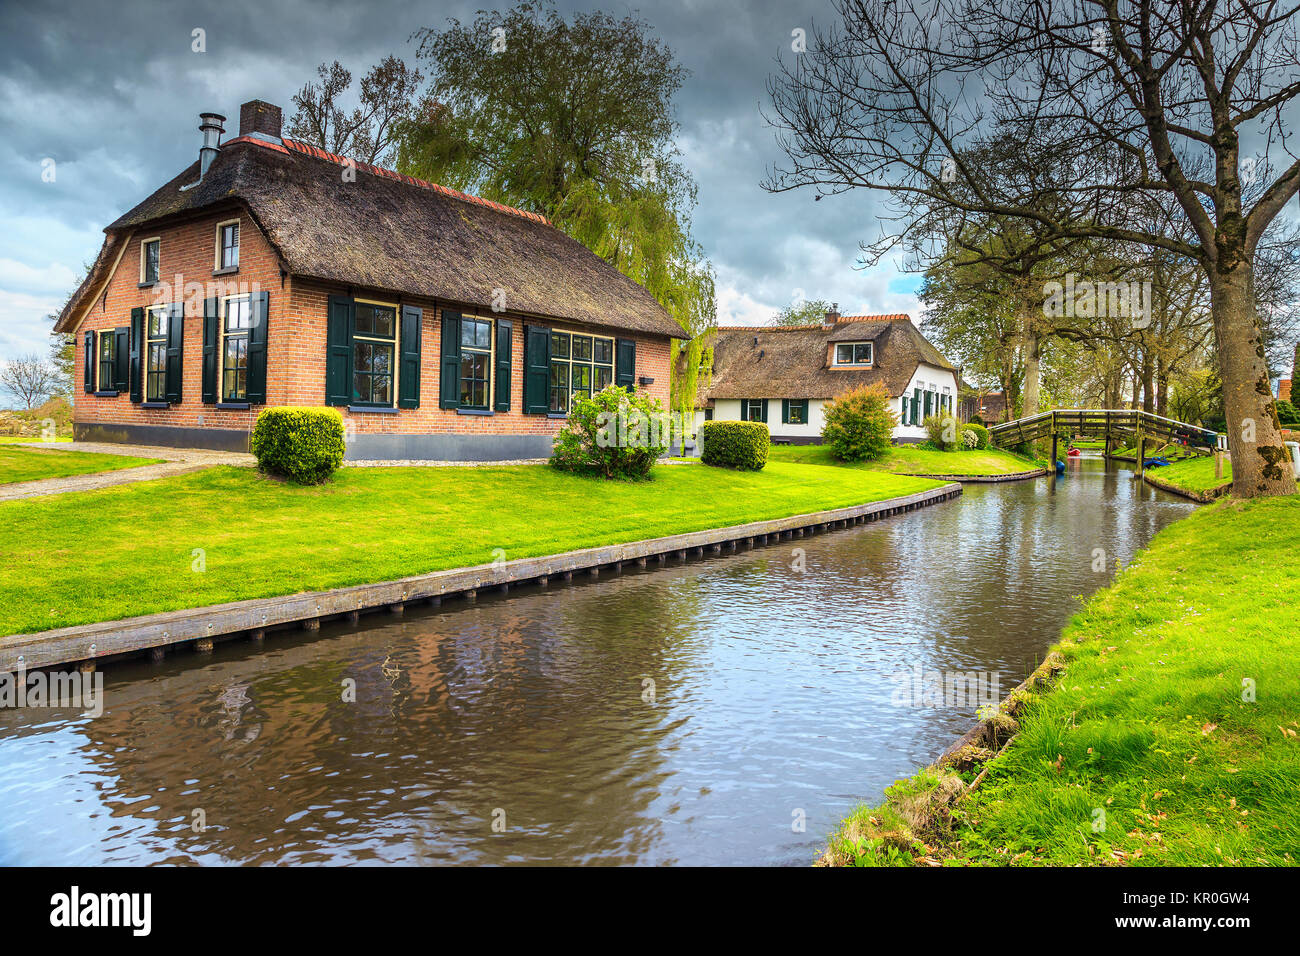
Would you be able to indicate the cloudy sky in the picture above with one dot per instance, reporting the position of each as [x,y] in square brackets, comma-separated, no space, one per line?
[111,92]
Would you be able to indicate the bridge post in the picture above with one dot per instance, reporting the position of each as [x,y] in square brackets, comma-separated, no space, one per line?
[1142,449]
[1054,454]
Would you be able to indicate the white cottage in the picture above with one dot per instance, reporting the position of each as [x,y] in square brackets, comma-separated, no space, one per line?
[785,375]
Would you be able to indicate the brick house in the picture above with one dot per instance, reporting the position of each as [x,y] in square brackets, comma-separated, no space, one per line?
[785,375]
[271,272]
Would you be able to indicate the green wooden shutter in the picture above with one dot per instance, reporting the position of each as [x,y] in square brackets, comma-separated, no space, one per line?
[903,418]
[625,364]
[408,376]
[257,327]
[502,384]
[338,351]
[785,411]
[537,370]
[137,348]
[449,386]
[175,353]
[90,357]
[121,358]
[916,406]
[211,316]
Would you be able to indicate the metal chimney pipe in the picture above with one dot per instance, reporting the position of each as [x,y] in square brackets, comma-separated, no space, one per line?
[211,125]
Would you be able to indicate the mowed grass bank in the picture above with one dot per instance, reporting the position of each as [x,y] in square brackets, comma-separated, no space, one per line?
[33,464]
[133,549]
[1194,475]
[912,460]
[1172,736]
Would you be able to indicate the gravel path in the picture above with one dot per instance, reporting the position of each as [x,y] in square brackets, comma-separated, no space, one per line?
[178,462]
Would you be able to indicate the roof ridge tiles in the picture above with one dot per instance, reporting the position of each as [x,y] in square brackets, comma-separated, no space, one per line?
[293,145]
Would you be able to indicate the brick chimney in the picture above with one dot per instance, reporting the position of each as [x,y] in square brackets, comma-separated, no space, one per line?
[259,117]
[833,315]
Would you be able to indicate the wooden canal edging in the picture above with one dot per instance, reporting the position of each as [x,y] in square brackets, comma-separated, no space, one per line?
[987,479]
[199,627]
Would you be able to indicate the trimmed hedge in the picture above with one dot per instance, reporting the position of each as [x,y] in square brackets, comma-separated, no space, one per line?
[304,445]
[742,445]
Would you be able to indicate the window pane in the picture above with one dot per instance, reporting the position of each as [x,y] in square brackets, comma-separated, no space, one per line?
[604,351]
[361,361]
[238,312]
[483,334]
[151,262]
[581,378]
[157,324]
[582,348]
[381,358]
[862,353]
[559,345]
[560,401]
[559,374]
[604,376]
[844,354]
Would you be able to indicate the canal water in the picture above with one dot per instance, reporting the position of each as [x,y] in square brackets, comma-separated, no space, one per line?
[726,711]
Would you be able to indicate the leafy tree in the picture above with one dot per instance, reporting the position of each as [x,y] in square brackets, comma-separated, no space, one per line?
[1143,97]
[572,119]
[803,313]
[367,133]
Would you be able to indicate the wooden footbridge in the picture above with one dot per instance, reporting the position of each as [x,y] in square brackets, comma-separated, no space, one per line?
[1124,424]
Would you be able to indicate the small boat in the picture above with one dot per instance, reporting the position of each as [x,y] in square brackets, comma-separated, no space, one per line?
[1073,453]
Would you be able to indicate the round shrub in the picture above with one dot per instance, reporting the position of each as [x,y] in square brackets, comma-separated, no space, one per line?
[742,445]
[859,425]
[980,431]
[614,434]
[304,445]
[969,439]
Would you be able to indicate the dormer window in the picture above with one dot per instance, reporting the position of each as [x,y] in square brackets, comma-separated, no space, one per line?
[149,250]
[853,353]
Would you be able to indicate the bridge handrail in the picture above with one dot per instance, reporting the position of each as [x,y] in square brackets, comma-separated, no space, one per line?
[1022,423]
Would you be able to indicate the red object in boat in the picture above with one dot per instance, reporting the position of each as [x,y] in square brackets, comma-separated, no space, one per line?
[1074,453]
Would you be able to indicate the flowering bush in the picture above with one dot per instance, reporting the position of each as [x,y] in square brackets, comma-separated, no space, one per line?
[614,434]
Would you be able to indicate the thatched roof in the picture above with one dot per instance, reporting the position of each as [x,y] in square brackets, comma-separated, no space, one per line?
[392,232]
[791,362]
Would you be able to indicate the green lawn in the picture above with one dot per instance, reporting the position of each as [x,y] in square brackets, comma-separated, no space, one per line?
[129,550]
[913,460]
[31,464]
[1194,474]
[1087,445]
[1171,736]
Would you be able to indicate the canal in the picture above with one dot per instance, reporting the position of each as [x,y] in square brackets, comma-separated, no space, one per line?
[725,711]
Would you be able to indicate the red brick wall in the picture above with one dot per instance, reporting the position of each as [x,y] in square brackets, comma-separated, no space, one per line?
[186,255]
[296,343]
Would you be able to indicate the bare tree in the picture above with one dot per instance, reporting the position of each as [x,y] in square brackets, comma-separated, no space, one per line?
[29,378]
[367,133]
[1145,97]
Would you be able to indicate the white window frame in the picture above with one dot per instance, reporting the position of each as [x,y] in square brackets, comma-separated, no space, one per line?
[147,373]
[216,259]
[871,359]
[221,346]
[143,245]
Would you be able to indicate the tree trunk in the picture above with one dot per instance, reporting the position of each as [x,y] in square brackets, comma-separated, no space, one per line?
[1260,465]
[1162,389]
[1033,368]
[1148,382]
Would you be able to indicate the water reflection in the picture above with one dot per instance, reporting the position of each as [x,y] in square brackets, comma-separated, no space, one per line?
[679,715]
